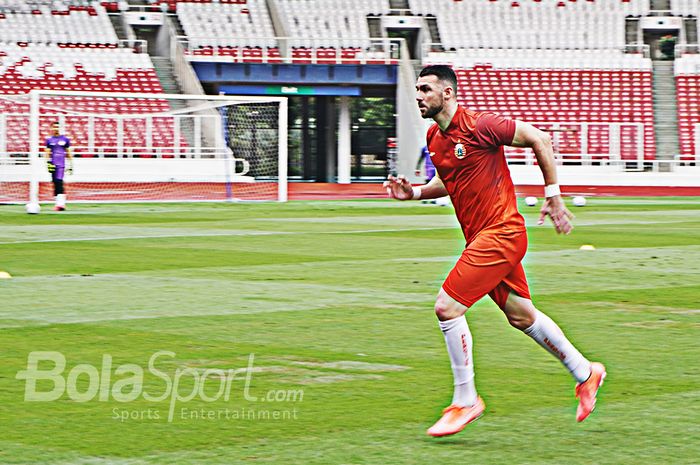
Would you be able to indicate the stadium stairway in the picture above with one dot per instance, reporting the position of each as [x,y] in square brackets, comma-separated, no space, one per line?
[374,26]
[691,30]
[175,22]
[660,5]
[170,85]
[164,70]
[434,32]
[665,110]
[632,29]
[399,5]
[116,21]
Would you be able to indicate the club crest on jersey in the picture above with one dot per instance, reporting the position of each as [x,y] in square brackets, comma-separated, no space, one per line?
[459,151]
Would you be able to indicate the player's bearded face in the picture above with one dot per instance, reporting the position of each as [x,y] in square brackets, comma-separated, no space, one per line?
[430,99]
[432,109]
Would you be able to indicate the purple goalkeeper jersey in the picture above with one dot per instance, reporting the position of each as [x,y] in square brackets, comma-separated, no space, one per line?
[429,167]
[58,146]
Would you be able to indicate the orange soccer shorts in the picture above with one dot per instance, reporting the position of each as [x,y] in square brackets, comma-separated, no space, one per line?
[490,264]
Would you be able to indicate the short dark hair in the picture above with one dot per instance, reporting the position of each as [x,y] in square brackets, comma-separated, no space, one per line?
[442,72]
[55,123]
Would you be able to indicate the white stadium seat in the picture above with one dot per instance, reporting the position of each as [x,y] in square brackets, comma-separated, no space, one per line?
[531,24]
[55,22]
[224,24]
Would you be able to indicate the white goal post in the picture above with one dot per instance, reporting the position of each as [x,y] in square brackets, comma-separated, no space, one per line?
[147,147]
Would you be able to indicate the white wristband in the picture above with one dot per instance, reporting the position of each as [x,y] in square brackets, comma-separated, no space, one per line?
[416,193]
[551,190]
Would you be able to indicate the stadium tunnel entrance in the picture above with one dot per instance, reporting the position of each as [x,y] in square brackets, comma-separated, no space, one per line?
[662,33]
[342,118]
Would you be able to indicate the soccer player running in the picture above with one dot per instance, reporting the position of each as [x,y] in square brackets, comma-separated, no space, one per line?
[57,149]
[467,150]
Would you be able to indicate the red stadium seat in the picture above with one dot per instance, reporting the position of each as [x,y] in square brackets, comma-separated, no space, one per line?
[598,96]
[125,80]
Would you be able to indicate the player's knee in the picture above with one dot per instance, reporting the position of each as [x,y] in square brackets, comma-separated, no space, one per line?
[522,318]
[520,322]
[447,310]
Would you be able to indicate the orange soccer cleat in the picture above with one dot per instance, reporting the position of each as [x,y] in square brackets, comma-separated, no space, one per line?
[455,418]
[586,391]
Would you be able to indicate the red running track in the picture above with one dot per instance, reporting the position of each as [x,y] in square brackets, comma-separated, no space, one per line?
[162,192]
[318,191]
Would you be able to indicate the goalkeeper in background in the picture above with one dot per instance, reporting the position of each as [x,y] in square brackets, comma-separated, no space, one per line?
[57,150]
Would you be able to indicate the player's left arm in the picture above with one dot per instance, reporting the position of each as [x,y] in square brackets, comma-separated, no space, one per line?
[526,135]
[69,156]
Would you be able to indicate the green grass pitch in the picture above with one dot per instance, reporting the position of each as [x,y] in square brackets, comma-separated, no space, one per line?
[330,304]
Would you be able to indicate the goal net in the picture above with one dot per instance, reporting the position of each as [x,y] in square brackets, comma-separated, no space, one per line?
[146,147]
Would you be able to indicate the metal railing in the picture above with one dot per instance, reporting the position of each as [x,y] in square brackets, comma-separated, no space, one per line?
[566,136]
[396,12]
[137,45]
[686,49]
[660,13]
[121,128]
[113,151]
[629,49]
[292,49]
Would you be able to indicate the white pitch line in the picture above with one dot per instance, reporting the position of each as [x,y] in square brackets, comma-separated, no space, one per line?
[251,233]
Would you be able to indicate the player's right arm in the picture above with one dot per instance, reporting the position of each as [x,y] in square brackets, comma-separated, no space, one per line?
[47,153]
[399,188]
[526,135]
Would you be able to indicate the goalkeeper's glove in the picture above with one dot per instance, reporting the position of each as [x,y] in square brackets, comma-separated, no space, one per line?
[51,167]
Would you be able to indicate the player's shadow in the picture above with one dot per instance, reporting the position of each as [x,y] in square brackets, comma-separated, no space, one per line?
[464,440]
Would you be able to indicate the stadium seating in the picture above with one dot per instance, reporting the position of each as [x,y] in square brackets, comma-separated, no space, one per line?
[687,72]
[25,67]
[551,61]
[26,63]
[172,5]
[318,20]
[528,24]
[543,89]
[685,7]
[567,96]
[323,37]
[574,68]
[245,24]
[541,59]
[244,31]
[57,22]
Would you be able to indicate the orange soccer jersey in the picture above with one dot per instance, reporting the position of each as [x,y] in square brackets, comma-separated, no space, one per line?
[470,161]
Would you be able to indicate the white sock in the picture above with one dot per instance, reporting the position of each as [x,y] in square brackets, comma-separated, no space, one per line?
[61,200]
[548,335]
[459,347]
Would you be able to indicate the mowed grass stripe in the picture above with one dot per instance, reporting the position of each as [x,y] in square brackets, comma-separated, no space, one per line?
[216,234]
[311,285]
[198,233]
